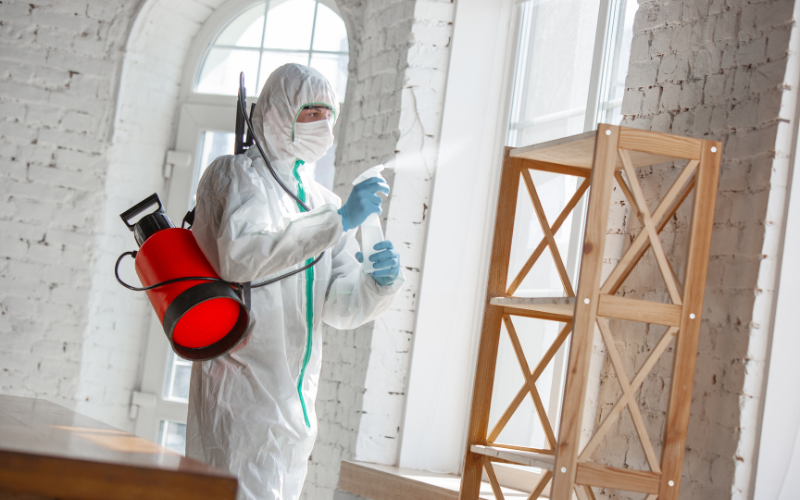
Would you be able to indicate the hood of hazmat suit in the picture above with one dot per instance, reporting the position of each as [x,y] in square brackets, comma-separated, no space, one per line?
[251,411]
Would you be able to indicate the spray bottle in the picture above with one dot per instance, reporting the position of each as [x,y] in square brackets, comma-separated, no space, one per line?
[371,232]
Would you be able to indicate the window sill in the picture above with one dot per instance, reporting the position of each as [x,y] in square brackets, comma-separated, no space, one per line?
[386,482]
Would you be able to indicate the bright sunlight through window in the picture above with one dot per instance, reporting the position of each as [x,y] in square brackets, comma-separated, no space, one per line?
[271,34]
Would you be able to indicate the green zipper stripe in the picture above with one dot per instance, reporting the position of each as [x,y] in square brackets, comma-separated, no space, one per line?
[301,193]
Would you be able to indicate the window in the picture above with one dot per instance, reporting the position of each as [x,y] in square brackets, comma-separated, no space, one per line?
[616,67]
[176,381]
[572,61]
[172,435]
[270,34]
[254,37]
[571,68]
[561,70]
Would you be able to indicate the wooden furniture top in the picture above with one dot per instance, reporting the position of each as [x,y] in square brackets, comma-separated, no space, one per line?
[49,450]
[578,150]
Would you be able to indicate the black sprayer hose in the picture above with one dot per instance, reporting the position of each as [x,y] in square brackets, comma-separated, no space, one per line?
[240,102]
[235,285]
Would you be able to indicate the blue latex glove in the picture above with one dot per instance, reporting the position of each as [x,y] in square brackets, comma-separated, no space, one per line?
[363,202]
[387,263]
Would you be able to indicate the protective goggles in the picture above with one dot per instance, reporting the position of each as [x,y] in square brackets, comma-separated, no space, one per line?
[315,112]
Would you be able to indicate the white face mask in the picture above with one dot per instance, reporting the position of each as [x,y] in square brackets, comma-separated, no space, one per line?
[312,140]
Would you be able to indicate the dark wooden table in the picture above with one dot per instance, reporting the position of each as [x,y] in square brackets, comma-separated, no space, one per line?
[48,451]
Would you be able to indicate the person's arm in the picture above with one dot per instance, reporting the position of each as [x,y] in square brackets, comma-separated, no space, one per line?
[247,227]
[354,297]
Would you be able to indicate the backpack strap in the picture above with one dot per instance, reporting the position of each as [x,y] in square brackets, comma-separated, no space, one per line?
[188,219]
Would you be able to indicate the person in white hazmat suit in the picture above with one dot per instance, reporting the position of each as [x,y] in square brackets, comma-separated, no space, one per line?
[251,411]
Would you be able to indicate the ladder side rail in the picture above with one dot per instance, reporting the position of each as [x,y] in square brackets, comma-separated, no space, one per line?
[490,331]
[685,356]
[605,158]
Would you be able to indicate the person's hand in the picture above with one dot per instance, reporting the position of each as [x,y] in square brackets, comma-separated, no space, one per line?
[386,263]
[363,202]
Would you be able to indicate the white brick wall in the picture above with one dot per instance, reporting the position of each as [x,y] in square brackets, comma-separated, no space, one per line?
[81,139]
[713,70]
[144,129]
[59,66]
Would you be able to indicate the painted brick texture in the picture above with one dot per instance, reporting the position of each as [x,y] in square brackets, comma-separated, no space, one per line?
[718,70]
[59,70]
[87,116]
[144,128]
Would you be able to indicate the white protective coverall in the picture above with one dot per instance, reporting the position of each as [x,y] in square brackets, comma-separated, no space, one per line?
[251,411]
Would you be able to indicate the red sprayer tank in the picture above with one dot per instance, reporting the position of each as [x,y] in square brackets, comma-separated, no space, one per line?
[203,316]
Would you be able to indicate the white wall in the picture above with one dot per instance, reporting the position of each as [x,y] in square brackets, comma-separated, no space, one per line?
[59,71]
[778,474]
[459,236]
[83,138]
[778,470]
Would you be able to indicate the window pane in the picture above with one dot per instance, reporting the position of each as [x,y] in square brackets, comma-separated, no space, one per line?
[172,435]
[334,68]
[180,384]
[329,32]
[524,428]
[614,84]
[270,61]
[289,24]
[213,145]
[553,70]
[220,73]
[543,279]
[176,383]
[246,30]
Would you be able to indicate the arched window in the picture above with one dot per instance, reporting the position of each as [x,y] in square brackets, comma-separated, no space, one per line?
[256,38]
[270,34]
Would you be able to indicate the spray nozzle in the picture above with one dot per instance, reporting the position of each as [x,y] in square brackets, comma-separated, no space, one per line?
[369,174]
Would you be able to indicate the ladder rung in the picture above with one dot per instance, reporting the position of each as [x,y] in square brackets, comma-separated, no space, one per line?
[558,312]
[518,457]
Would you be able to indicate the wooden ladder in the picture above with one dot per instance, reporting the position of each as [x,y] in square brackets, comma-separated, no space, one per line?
[611,154]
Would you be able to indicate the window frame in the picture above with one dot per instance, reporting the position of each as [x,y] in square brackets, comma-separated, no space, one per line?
[424,386]
[205,38]
[607,33]
[262,49]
